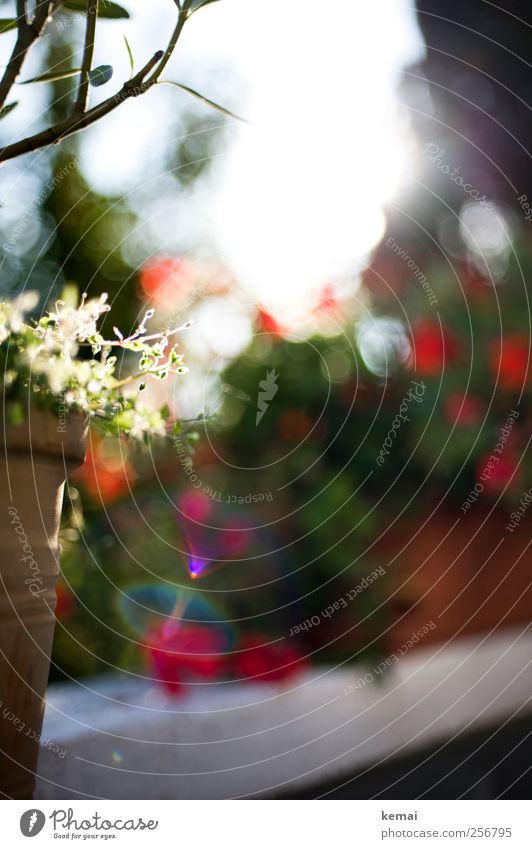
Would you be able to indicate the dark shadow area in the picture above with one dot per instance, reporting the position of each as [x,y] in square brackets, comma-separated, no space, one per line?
[492,764]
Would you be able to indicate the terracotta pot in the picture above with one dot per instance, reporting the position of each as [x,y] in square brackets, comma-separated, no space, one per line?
[35,459]
[467,573]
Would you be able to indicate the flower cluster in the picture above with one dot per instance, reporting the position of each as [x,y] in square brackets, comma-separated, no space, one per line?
[43,363]
[195,651]
[475,360]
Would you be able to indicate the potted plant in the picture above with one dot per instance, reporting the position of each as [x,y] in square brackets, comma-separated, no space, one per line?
[51,391]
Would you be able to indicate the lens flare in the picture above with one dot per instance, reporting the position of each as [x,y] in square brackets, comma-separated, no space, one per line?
[184,636]
[213,533]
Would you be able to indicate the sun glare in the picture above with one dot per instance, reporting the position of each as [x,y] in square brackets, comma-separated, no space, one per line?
[299,197]
[295,200]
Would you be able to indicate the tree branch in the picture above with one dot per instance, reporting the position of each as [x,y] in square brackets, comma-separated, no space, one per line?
[138,84]
[73,124]
[27,34]
[22,45]
[90,32]
[181,21]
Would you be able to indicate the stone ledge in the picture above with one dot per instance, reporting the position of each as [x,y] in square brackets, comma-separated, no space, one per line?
[120,738]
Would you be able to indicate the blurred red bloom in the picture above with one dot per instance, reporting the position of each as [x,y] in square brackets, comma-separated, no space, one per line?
[165,279]
[190,651]
[267,662]
[65,602]
[105,479]
[496,479]
[268,324]
[434,347]
[463,409]
[509,360]
[327,302]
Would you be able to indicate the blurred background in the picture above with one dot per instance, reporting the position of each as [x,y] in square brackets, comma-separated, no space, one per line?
[356,262]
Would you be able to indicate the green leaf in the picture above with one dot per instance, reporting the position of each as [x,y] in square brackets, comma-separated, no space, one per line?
[199,4]
[204,99]
[7,23]
[146,362]
[100,75]
[130,54]
[106,9]
[8,108]
[52,77]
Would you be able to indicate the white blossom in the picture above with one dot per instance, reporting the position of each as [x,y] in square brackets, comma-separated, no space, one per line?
[43,358]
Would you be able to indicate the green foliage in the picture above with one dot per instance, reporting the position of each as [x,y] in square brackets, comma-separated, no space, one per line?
[106,8]
[100,75]
[204,99]
[130,56]
[7,24]
[52,77]
[8,108]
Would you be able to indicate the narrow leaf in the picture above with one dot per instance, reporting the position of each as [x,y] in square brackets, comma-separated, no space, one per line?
[7,23]
[8,108]
[100,75]
[130,54]
[106,8]
[52,77]
[204,99]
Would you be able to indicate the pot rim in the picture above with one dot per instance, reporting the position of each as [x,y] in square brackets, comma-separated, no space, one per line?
[45,432]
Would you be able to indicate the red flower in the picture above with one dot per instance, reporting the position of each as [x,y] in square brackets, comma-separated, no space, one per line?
[327,302]
[268,324]
[165,279]
[509,361]
[65,602]
[267,661]
[434,347]
[496,476]
[190,651]
[462,409]
[105,478]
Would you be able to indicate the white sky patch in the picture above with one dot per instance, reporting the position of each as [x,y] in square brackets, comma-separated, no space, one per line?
[299,198]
